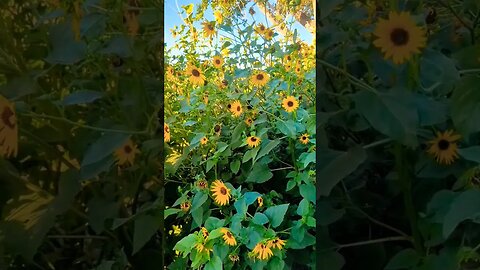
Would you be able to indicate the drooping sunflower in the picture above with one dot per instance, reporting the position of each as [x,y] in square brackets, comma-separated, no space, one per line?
[217,61]
[253,141]
[249,121]
[221,193]
[203,141]
[276,243]
[195,75]
[8,129]
[228,237]
[290,104]
[176,230]
[262,251]
[234,257]
[166,133]
[399,37]
[304,138]
[204,232]
[259,79]
[202,184]
[236,108]
[260,201]
[208,29]
[444,147]
[185,206]
[125,155]
[200,247]
[260,29]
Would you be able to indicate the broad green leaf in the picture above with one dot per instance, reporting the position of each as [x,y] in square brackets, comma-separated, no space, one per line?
[341,165]
[213,223]
[99,210]
[251,197]
[198,201]
[260,219]
[82,97]
[276,214]
[465,206]
[327,6]
[405,259]
[103,147]
[276,264]
[393,114]
[259,174]
[65,49]
[328,214]
[235,166]
[466,106]
[308,192]
[471,153]
[145,227]
[250,154]
[186,244]
[287,128]
[215,263]
[331,260]
[269,147]
[303,207]
[170,211]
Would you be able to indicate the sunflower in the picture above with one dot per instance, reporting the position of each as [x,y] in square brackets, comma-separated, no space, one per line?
[253,141]
[298,68]
[290,104]
[200,247]
[126,153]
[304,138]
[260,29]
[176,230]
[217,61]
[218,128]
[221,193]
[260,201]
[399,37]
[259,79]
[8,129]
[208,29]
[234,257]
[444,147]
[204,141]
[218,16]
[287,58]
[268,35]
[202,184]
[185,206]
[204,232]
[262,251]
[249,121]
[276,243]
[196,76]
[236,108]
[228,237]
[166,133]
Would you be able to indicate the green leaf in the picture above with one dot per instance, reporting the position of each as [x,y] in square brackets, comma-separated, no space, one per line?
[341,165]
[104,147]
[303,207]
[170,211]
[210,164]
[235,166]
[308,192]
[329,214]
[198,201]
[186,244]
[237,135]
[251,197]
[215,263]
[331,260]
[260,174]
[465,206]
[269,147]
[260,219]
[250,154]
[311,222]
[306,158]
[197,216]
[393,114]
[214,223]
[145,227]
[291,184]
[466,106]
[241,206]
[327,6]
[276,214]
[470,153]
[214,234]
[276,263]
[287,128]
[99,210]
[82,97]
[405,259]
[65,49]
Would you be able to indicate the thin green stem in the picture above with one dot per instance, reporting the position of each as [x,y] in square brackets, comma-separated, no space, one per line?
[352,78]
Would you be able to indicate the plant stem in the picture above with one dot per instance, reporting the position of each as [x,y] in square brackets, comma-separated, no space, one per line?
[403,168]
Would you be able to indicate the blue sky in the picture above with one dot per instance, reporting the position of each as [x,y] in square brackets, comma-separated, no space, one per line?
[173,18]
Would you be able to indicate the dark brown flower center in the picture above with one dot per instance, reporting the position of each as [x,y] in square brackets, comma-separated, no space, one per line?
[304,138]
[399,36]
[217,62]
[229,106]
[250,121]
[223,191]
[443,144]
[290,104]
[253,139]
[195,73]
[217,127]
[238,108]
[210,27]
[260,77]
[225,82]
[8,118]
[127,149]
[167,129]
[229,235]
[262,27]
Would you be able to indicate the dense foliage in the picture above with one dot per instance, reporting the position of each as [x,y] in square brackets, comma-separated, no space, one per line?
[398,144]
[240,130]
